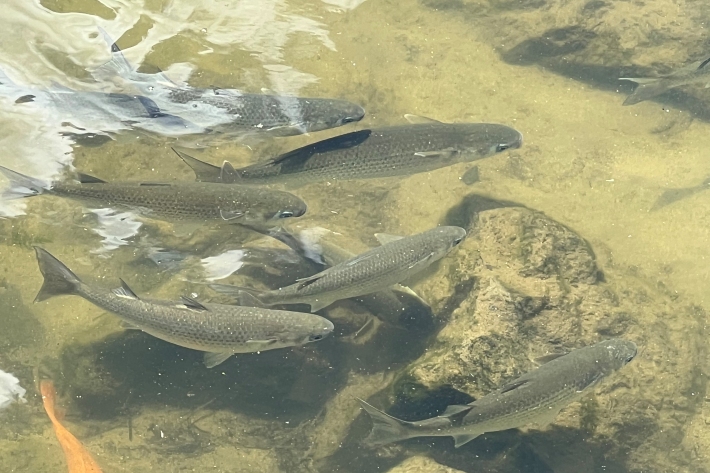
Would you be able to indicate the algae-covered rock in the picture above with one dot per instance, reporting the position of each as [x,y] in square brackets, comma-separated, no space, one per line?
[594,41]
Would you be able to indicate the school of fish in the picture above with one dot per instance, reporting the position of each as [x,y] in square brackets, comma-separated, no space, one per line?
[154,105]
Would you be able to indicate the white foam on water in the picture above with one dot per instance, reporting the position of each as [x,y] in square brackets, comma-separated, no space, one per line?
[10,390]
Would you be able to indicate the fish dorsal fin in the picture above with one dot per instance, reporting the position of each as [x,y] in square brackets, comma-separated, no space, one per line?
[87,179]
[151,107]
[25,99]
[192,304]
[204,172]
[125,291]
[517,384]
[228,215]
[416,119]
[250,300]
[118,65]
[385,238]
[228,175]
[462,439]
[213,359]
[297,157]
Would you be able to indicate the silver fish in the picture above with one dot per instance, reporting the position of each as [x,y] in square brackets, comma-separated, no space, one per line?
[384,152]
[219,330]
[397,259]
[385,304]
[177,201]
[534,398]
[81,113]
[695,73]
[228,111]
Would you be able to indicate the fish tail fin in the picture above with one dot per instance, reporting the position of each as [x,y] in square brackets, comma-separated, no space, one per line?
[385,428]
[647,88]
[58,279]
[21,185]
[244,296]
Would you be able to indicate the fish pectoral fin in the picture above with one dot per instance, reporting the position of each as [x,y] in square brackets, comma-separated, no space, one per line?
[547,418]
[125,291]
[437,154]
[213,359]
[385,238]
[417,119]
[320,304]
[287,130]
[455,409]
[541,360]
[422,262]
[228,215]
[640,80]
[204,172]
[463,439]
[192,304]
[262,342]
[304,282]
[87,179]
[228,175]
[514,385]
[471,176]
[129,325]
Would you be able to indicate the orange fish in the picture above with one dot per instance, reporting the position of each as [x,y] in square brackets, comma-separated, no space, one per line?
[79,460]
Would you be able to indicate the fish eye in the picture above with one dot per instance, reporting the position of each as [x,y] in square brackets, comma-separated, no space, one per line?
[286,214]
[502,147]
[457,241]
[347,120]
[315,338]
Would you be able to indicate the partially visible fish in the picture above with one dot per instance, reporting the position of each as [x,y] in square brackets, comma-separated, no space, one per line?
[178,201]
[695,73]
[365,154]
[228,111]
[670,196]
[218,330]
[385,304]
[78,458]
[397,259]
[534,398]
[83,113]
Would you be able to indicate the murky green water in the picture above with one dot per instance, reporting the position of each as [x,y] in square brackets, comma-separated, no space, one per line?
[566,232]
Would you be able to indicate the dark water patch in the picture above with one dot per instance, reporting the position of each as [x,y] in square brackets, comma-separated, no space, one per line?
[465,213]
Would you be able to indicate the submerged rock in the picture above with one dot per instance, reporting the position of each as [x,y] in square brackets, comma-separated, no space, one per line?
[537,290]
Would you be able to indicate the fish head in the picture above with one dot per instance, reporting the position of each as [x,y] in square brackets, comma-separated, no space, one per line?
[485,139]
[323,114]
[272,209]
[441,240]
[619,352]
[306,328]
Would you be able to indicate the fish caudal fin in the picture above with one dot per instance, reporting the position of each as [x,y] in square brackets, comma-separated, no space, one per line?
[58,279]
[20,185]
[385,428]
[647,88]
